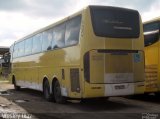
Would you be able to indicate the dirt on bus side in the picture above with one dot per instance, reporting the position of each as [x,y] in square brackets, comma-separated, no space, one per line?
[31,102]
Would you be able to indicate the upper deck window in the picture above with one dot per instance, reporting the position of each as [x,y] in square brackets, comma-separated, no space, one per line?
[21,49]
[59,36]
[37,43]
[115,22]
[28,46]
[47,40]
[72,31]
[15,51]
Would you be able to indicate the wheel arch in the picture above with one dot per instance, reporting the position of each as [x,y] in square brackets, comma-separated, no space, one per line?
[45,78]
[54,79]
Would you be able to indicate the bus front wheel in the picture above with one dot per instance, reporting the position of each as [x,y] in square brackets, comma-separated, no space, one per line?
[57,93]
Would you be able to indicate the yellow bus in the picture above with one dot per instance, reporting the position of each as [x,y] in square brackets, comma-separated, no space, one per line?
[96,52]
[152,55]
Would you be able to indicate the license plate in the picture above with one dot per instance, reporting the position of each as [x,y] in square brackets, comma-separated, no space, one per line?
[118,87]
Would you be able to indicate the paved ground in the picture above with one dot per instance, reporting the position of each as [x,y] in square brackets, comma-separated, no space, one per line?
[31,102]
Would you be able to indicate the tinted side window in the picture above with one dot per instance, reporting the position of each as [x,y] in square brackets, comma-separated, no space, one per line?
[21,49]
[151,27]
[47,40]
[11,52]
[28,46]
[72,31]
[15,52]
[151,39]
[59,36]
[151,33]
[37,43]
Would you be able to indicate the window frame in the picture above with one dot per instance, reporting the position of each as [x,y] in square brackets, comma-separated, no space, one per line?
[44,32]
[79,34]
[33,52]
[41,33]
[54,29]
[113,35]
[19,43]
[30,38]
[14,49]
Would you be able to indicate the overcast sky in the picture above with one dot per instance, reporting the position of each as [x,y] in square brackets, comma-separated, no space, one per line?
[21,17]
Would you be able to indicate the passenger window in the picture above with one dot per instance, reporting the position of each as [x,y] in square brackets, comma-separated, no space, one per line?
[28,46]
[11,52]
[59,36]
[21,49]
[15,52]
[72,31]
[37,44]
[151,33]
[47,40]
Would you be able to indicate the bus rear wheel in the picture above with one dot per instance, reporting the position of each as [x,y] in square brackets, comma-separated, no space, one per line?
[17,88]
[46,91]
[57,93]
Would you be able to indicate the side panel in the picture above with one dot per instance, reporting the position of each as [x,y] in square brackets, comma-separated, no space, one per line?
[116,66]
[151,67]
[114,73]
[105,90]
[61,63]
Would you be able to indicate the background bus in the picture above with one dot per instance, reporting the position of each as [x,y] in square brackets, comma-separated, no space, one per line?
[97,52]
[5,68]
[4,61]
[152,55]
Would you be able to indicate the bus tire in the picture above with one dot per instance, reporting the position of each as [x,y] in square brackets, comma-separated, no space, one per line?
[17,88]
[46,91]
[57,93]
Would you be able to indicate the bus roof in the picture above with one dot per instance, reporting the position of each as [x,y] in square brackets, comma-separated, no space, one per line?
[152,20]
[61,21]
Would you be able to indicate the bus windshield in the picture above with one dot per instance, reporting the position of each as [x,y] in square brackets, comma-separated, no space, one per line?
[151,33]
[115,22]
